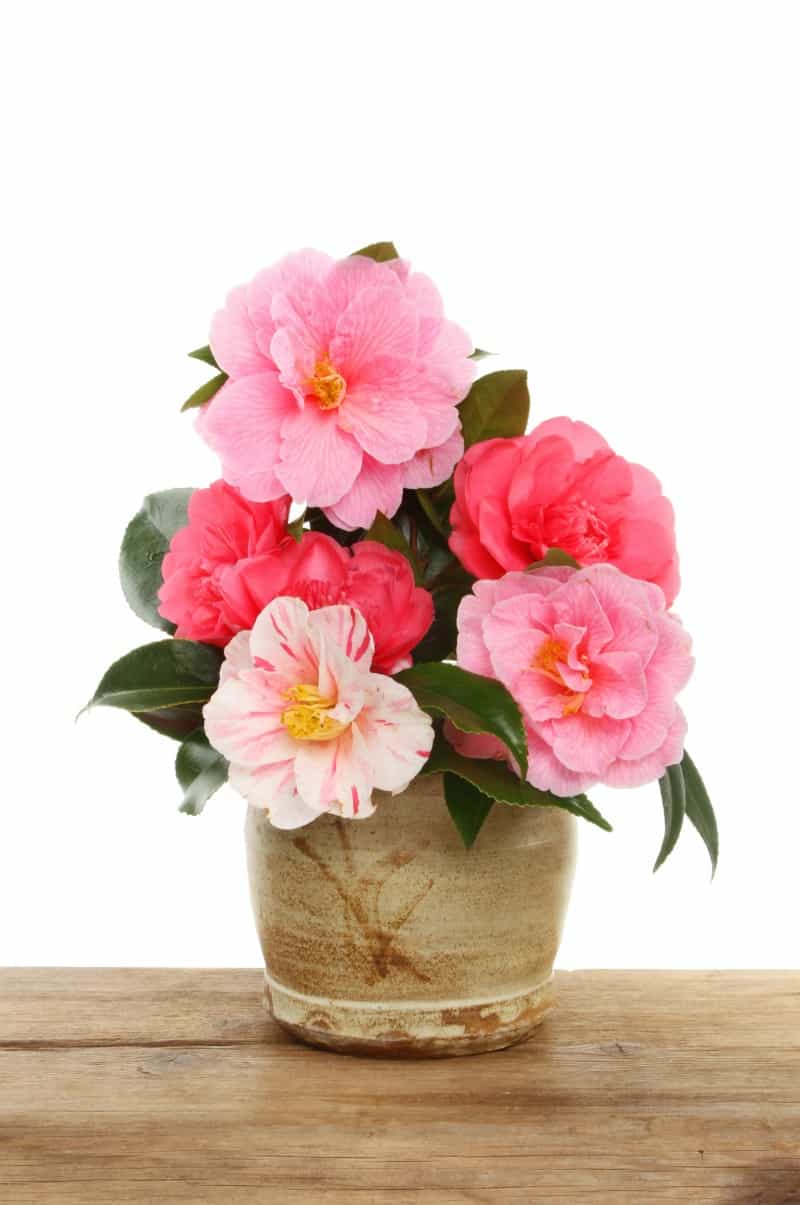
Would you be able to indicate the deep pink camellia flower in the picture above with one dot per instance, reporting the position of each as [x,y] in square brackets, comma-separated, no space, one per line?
[594,660]
[235,557]
[223,529]
[563,487]
[345,378]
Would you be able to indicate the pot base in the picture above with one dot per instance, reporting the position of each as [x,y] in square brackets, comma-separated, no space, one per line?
[407,1029]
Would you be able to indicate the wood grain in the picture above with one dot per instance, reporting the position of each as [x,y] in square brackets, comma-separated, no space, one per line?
[130,1086]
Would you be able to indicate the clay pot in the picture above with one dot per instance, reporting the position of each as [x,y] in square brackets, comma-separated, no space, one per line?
[385,936]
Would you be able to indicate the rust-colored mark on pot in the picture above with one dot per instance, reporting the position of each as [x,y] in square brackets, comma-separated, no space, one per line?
[360,895]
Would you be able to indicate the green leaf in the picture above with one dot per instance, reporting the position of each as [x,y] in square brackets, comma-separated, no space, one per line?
[200,770]
[157,677]
[471,702]
[496,405]
[144,545]
[554,556]
[439,522]
[174,722]
[205,392]
[205,354]
[380,252]
[479,354]
[496,781]
[385,532]
[699,809]
[296,527]
[673,798]
[468,807]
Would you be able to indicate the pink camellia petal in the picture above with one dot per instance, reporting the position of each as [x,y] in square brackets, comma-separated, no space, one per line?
[385,424]
[594,662]
[306,725]
[319,461]
[432,466]
[293,279]
[243,424]
[378,322]
[379,487]
[233,338]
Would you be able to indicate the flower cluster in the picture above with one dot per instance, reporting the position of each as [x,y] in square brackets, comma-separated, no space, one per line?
[456,594]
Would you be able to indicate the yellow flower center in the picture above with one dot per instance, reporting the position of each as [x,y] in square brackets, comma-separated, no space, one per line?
[550,654]
[327,385]
[306,719]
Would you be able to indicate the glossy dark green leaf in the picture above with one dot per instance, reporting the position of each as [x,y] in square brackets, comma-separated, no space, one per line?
[467,806]
[384,531]
[554,556]
[496,405]
[699,809]
[175,722]
[495,780]
[471,702]
[159,676]
[380,252]
[439,522]
[144,545]
[200,770]
[205,392]
[480,354]
[206,355]
[673,799]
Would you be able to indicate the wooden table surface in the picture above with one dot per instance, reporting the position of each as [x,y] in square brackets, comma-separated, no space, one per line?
[121,1086]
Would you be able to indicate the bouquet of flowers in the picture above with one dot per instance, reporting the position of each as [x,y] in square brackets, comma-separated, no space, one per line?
[391,578]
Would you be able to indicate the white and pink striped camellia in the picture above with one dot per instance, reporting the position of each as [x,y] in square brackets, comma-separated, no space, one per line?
[305,724]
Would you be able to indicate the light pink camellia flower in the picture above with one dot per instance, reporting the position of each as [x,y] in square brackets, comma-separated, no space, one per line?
[561,486]
[223,529]
[345,378]
[594,661]
[305,724]
[235,556]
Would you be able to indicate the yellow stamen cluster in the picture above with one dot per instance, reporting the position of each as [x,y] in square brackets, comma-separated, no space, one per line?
[306,719]
[550,654]
[327,385]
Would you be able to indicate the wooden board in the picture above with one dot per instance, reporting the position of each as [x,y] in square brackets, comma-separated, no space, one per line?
[123,1086]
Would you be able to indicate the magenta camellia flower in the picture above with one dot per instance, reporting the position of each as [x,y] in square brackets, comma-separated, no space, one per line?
[305,724]
[345,378]
[223,529]
[563,487]
[236,556]
[594,661]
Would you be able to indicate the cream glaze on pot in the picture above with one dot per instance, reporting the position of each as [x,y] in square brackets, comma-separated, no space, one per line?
[385,936]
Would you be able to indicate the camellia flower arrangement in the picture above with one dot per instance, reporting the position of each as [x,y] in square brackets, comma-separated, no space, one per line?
[392,579]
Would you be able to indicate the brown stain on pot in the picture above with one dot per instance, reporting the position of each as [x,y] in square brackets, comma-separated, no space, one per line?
[361,897]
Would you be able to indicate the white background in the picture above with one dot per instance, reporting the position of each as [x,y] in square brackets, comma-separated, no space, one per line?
[606,193]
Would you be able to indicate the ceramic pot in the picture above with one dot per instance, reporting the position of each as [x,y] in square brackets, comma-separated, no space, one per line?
[385,936]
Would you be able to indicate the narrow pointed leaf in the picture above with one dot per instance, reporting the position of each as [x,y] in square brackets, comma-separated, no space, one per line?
[673,799]
[471,702]
[206,355]
[467,806]
[480,354]
[200,770]
[699,809]
[496,405]
[144,546]
[205,392]
[380,252]
[496,781]
[160,676]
